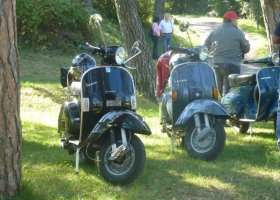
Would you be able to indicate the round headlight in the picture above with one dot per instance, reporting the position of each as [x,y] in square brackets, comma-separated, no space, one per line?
[275,58]
[203,53]
[120,55]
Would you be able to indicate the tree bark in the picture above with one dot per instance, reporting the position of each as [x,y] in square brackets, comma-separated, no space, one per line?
[270,10]
[10,125]
[159,8]
[132,30]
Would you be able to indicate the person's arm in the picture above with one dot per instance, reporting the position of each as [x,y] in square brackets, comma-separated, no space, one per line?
[245,45]
[208,41]
[275,39]
[276,34]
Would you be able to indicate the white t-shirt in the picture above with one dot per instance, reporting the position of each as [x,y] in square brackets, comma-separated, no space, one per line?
[166,26]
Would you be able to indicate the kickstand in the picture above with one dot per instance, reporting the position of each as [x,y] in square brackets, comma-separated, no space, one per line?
[77,160]
[251,129]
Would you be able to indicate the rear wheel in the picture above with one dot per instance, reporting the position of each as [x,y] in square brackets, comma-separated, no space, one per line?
[127,167]
[208,146]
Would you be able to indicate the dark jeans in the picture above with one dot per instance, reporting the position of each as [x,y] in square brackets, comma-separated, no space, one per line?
[155,47]
[278,117]
[166,39]
[222,71]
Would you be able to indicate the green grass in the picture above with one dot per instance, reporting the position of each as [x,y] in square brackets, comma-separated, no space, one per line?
[248,168]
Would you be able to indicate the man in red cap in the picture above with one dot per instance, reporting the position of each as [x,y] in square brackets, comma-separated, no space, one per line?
[227,44]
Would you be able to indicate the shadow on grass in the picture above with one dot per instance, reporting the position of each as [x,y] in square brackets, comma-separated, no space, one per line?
[241,171]
[227,177]
[55,95]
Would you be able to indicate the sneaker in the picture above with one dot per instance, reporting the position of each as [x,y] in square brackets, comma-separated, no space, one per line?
[278,147]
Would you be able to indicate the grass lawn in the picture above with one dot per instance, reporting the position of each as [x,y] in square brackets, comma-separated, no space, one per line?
[248,168]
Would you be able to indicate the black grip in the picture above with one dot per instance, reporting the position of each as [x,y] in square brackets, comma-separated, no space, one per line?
[181,49]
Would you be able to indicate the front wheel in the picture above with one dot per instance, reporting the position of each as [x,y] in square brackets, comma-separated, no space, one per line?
[125,169]
[207,147]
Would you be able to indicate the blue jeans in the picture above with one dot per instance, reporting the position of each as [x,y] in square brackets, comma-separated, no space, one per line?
[166,39]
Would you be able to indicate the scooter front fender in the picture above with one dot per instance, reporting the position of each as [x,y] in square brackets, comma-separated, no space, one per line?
[123,119]
[208,106]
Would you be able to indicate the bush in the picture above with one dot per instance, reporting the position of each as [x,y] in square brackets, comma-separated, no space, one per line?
[49,24]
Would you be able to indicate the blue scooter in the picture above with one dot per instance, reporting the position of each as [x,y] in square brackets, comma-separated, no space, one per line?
[189,108]
[253,97]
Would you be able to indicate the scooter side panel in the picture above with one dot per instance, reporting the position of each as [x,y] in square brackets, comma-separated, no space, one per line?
[123,119]
[191,81]
[240,102]
[268,81]
[208,106]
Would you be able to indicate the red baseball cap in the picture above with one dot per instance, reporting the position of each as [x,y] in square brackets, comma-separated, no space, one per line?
[230,15]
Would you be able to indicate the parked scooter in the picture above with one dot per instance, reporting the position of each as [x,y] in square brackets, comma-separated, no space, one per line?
[99,115]
[189,109]
[253,97]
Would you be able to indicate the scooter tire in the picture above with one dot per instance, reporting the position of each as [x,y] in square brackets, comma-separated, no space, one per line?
[205,152]
[132,163]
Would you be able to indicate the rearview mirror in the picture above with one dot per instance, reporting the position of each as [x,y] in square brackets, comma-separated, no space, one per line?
[183,27]
[95,18]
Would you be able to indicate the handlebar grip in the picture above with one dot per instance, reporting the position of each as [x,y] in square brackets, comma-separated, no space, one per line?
[86,48]
[263,60]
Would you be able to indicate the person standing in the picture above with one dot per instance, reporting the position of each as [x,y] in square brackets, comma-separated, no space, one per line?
[276,40]
[156,36]
[228,46]
[166,28]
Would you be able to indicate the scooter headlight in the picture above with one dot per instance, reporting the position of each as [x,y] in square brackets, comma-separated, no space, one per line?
[120,55]
[203,53]
[275,58]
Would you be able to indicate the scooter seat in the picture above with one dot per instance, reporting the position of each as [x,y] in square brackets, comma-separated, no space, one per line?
[241,79]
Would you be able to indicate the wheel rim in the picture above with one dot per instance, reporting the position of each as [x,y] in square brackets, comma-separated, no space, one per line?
[204,145]
[121,165]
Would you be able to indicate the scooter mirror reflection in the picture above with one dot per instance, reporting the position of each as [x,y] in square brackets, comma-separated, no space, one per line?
[183,26]
[96,18]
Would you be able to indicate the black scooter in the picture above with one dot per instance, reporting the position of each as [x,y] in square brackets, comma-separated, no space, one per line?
[99,114]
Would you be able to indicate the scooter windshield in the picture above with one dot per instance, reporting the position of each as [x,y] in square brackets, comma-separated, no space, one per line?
[107,87]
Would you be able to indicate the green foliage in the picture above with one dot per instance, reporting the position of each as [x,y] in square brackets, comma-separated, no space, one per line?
[187,6]
[50,24]
[218,8]
[106,8]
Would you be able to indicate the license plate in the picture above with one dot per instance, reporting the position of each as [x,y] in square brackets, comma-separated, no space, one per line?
[111,103]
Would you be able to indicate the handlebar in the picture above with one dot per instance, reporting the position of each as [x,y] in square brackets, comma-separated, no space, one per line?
[90,48]
[183,49]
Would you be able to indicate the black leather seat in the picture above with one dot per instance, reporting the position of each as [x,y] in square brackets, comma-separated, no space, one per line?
[241,79]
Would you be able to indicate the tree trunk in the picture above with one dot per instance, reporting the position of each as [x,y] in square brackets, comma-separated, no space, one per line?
[159,8]
[270,10]
[10,125]
[132,30]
